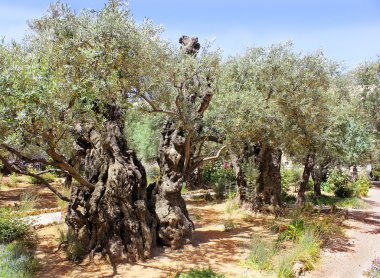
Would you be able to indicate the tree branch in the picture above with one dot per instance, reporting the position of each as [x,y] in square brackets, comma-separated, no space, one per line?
[42,181]
[215,156]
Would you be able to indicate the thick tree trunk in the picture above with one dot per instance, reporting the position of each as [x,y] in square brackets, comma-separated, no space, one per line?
[268,190]
[174,225]
[195,180]
[308,168]
[265,190]
[114,217]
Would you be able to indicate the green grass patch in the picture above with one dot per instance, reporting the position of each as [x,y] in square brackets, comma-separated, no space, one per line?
[352,202]
[306,251]
[260,253]
[200,273]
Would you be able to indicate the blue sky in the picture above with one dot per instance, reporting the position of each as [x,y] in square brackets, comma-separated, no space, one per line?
[347,30]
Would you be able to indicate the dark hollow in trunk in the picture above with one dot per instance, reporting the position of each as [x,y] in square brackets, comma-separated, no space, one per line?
[174,225]
[308,168]
[114,217]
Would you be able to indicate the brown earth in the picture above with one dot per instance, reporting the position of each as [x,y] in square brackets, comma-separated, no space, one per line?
[212,247]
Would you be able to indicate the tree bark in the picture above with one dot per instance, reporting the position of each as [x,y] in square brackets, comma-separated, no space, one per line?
[354,174]
[268,190]
[308,168]
[265,190]
[174,225]
[319,175]
[114,217]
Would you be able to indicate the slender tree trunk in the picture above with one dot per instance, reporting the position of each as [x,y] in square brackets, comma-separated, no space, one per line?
[241,183]
[308,167]
[354,175]
[114,217]
[319,175]
[174,225]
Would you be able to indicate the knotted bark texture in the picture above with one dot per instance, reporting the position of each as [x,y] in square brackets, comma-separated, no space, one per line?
[114,217]
[174,225]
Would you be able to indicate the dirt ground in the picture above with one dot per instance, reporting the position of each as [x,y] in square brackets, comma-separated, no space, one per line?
[212,247]
[350,257]
[9,196]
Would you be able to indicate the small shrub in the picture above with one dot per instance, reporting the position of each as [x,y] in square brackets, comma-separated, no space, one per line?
[306,251]
[28,201]
[73,248]
[374,271]
[16,261]
[293,231]
[220,179]
[12,228]
[261,253]
[290,177]
[12,179]
[376,174]
[49,177]
[344,191]
[361,186]
[200,273]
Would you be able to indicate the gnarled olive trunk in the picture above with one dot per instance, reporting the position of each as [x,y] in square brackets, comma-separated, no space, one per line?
[114,217]
[265,189]
[173,223]
[308,168]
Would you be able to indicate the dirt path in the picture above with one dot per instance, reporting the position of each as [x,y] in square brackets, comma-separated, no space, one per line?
[349,257]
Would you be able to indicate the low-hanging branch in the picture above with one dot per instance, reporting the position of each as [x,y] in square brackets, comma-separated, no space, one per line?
[41,180]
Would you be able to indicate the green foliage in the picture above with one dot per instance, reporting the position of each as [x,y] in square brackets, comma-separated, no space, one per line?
[74,249]
[143,134]
[361,186]
[200,273]
[28,201]
[306,251]
[12,228]
[353,202]
[16,261]
[290,177]
[261,253]
[12,179]
[376,174]
[49,177]
[220,179]
[293,231]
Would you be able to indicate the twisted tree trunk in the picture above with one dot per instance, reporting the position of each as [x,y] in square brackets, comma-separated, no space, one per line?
[268,189]
[265,189]
[114,217]
[174,225]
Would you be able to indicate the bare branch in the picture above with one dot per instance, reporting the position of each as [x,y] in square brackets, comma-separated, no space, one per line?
[50,171]
[215,156]
[154,107]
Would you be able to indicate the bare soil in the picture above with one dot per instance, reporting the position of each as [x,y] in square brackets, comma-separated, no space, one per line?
[349,257]
[212,247]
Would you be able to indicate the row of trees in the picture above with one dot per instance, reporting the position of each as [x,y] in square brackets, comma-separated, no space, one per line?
[80,84]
